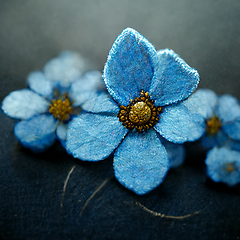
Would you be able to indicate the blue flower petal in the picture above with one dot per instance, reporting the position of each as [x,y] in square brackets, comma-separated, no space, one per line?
[40,84]
[228,108]
[203,101]
[141,162]
[81,89]
[66,68]
[130,66]
[93,137]
[100,102]
[37,133]
[176,152]
[24,104]
[223,165]
[178,125]
[232,130]
[174,81]
[234,145]
[211,141]
[61,133]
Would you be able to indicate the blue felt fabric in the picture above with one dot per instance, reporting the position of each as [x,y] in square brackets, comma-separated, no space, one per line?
[203,101]
[24,104]
[40,84]
[37,133]
[93,137]
[210,141]
[130,66]
[225,107]
[66,68]
[80,90]
[234,145]
[177,124]
[228,109]
[223,165]
[100,102]
[174,81]
[61,133]
[176,152]
[141,162]
[232,130]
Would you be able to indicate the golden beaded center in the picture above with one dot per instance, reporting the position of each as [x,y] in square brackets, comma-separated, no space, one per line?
[61,108]
[140,113]
[230,167]
[213,125]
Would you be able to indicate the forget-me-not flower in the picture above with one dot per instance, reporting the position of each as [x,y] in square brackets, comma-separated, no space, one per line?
[47,107]
[145,87]
[223,165]
[221,114]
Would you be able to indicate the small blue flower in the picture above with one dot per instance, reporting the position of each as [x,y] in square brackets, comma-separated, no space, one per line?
[146,89]
[221,114]
[223,165]
[45,115]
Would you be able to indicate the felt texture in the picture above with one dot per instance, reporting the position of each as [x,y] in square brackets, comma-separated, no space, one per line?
[204,33]
[61,131]
[203,101]
[24,104]
[100,102]
[228,109]
[80,89]
[210,141]
[234,145]
[37,133]
[141,162]
[223,165]
[66,68]
[178,125]
[129,70]
[174,80]
[130,66]
[93,137]
[176,152]
[39,84]
[232,130]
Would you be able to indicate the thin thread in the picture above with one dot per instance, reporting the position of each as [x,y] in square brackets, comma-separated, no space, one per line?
[65,185]
[94,193]
[156,214]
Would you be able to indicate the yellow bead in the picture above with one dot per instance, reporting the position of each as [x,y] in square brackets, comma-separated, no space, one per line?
[213,125]
[61,109]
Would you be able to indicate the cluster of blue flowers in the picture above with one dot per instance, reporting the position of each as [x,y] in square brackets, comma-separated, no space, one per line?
[221,137]
[142,115]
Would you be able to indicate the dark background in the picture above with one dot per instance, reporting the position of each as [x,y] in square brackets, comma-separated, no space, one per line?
[206,35]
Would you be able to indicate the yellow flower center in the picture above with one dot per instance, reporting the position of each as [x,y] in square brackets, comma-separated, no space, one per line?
[140,113]
[213,125]
[230,167]
[61,109]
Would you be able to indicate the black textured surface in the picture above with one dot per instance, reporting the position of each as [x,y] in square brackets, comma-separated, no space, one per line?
[205,34]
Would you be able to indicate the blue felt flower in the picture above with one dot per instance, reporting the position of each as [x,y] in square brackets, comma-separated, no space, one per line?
[223,165]
[45,112]
[222,117]
[146,89]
